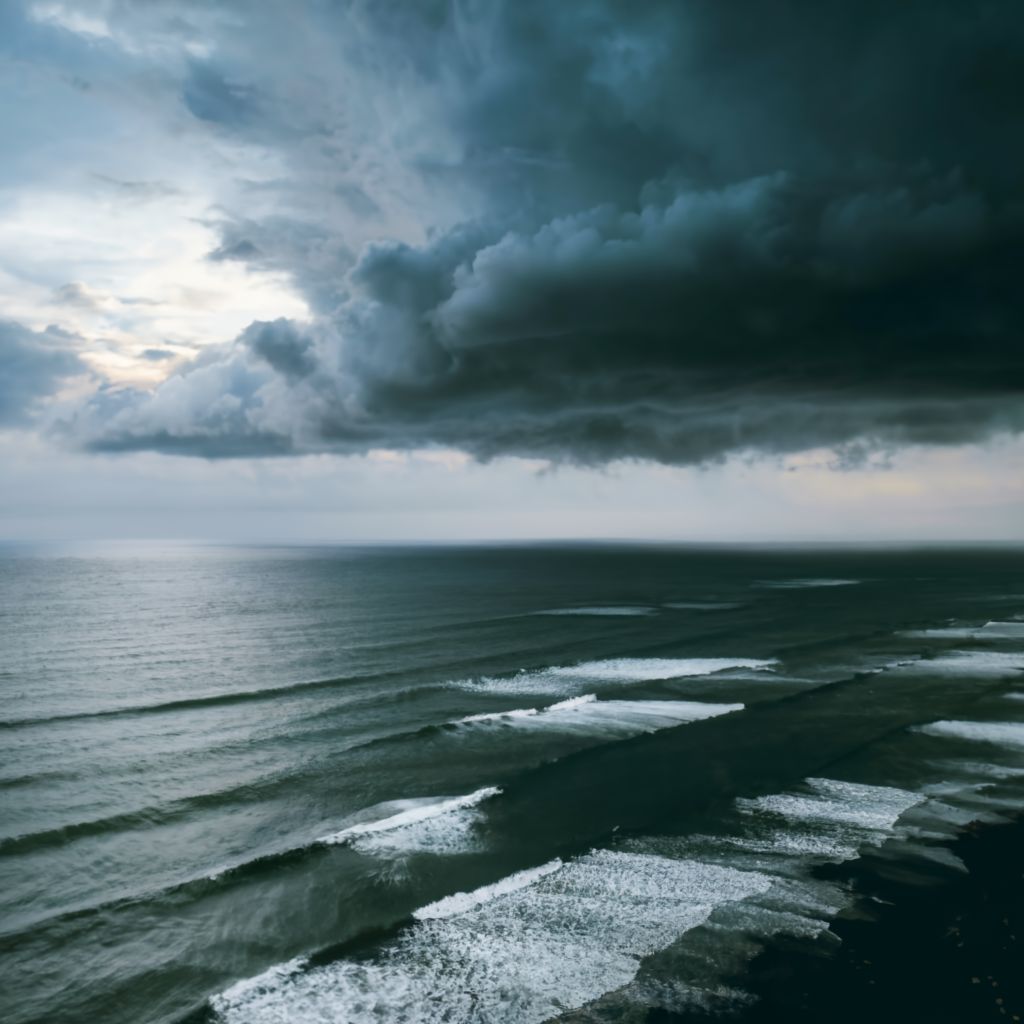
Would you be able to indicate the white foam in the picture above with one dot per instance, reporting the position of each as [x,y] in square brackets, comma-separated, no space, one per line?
[252,988]
[801,843]
[612,671]
[497,716]
[425,825]
[630,716]
[535,948]
[994,771]
[460,902]
[692,975]
[800,907]
[800,584]
[612,610]
[975,663]
[989,631]
[936,855]
[586,714]
[870,809]
[678,997]
[436,824]
[961,798]
[572,702]
[888,666]
[782,837]
[702,606]
[1006,734]
[551,939]
[638,670]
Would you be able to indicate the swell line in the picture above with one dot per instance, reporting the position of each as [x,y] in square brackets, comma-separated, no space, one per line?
[184,704]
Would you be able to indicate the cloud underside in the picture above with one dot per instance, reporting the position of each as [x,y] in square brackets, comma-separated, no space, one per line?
[754,317]
[33,366]
[686,235]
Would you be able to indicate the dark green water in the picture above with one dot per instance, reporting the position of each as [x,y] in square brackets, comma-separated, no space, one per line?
[231,777]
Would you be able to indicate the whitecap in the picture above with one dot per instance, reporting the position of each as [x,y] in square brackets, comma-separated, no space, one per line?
[608,672]
[703,606]
[599,610]
[989,631]
[537,945]
[497,716]
[830,800]
[571,703]
[554,938]
[434,824]
[975,663]
[586,714]
[801,584]
[1006,734]
[249,989]
[460,902]
[630,716]
[638,670]
[983,768]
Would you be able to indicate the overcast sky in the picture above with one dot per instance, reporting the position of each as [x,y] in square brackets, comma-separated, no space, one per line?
[477,269]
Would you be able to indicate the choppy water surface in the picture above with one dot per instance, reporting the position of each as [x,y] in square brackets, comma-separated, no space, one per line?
[476,784]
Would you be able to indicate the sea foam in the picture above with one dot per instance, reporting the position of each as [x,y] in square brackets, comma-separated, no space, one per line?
[460,902]
[702,606]
[638,670]
[974,663]
[989,631]
[610,672]
[524,950]
[872,807]
[802,584]
[436,824]
[586,714]
[599,610]
[553,938]
[1006,734]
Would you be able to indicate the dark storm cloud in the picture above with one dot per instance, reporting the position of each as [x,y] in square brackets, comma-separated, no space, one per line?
[211,97]
[282,348]
[696,228]
[310,251]
[34,366]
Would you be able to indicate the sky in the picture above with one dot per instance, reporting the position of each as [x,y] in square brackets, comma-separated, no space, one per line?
[342,270]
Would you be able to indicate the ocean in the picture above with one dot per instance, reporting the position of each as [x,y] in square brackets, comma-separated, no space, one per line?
[502,784]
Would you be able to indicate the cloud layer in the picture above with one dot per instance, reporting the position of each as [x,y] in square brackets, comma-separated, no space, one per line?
[35,365]
[606,230]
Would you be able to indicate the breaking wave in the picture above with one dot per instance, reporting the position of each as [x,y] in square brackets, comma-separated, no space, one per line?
[598,610]
[609,672]
[589,715]
[552,938]
[1007,734]
[803,584]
